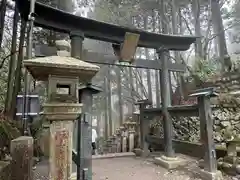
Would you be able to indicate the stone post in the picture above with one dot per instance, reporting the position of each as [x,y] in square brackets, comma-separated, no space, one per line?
[137,131]
[77,38]
[168,160]
[63,75]
[206,130]
[232,148]
[131,140]
[114,143]
[144,127]
[166,102]
[86,98]
[131,132]
[109,145]
[22,158]
[124,143]
[123,139]
[118,140]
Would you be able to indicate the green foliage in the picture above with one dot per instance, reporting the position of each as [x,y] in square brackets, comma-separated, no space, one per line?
[37,128]
[235,21]
[3,77]
[203,69]
[9,130]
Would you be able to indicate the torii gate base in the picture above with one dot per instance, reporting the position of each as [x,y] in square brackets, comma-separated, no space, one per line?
[170,162]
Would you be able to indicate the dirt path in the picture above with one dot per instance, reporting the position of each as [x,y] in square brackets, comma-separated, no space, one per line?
[131,168]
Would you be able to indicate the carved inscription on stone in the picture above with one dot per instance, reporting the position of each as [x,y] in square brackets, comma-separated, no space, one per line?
[61,154]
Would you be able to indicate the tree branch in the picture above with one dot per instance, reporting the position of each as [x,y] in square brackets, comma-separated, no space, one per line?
[6,57]
[186,23]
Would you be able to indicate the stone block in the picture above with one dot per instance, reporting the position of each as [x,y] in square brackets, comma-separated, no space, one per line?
[63,45]
[170,163]
[22,158]
[131,141]
[205,175]
[138,151]
[124,144]
[62,111]
[63,53]
[142,153]
[231,159]
[238,169]
[5,170]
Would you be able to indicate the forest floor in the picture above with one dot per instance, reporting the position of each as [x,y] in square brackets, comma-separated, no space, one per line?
[131,168]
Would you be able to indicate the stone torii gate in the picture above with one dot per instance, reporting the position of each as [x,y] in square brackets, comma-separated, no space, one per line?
[79,28]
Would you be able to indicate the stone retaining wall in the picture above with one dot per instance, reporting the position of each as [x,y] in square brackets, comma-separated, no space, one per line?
[183,147]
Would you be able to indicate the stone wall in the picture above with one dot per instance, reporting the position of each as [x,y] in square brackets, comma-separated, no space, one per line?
[226,111]
[184,147]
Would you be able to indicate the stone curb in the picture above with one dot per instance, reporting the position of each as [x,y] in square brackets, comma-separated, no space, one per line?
[113,155]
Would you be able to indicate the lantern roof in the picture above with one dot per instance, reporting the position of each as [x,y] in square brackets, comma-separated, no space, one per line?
[41,68]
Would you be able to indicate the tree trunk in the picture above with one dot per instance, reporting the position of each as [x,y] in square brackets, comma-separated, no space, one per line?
[157,72]
[149,84]
[106,126]
[179,78]
[18,74]
[197,25]
[220,34]
[120,98]
[131,86]
[165,30]
[3,8]
[109,100]
[12,63]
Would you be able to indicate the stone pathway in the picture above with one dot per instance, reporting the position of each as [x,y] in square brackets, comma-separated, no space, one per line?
[131,168]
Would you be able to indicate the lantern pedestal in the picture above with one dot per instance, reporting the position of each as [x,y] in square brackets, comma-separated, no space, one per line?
[61,116]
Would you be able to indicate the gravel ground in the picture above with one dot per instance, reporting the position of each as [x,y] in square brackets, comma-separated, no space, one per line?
[132,168]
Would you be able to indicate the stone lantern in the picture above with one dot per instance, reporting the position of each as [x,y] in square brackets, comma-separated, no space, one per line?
[63,75]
